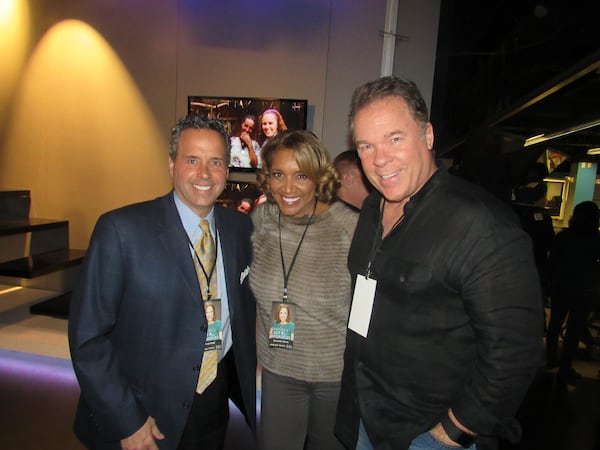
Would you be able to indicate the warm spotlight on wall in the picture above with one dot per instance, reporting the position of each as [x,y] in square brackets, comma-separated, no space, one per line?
[14,42]
[79,127]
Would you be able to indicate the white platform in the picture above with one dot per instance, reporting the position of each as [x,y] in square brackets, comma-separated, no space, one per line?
[36,334]
[24,332]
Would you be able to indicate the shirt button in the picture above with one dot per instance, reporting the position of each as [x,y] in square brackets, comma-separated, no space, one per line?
[196,368]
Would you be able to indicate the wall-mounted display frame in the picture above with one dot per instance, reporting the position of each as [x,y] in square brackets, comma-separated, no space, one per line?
[233,110]
[557,191]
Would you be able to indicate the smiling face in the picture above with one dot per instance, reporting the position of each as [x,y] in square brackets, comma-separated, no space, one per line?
[210,313]
[292,190]
[248,125]
[244,207]
[199,170]
[395,149]
[283,314]
[269,124]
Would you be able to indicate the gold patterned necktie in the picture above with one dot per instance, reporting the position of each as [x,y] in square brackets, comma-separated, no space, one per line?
[205,250]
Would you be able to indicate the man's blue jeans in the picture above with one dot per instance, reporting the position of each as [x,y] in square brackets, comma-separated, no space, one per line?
[424,441]
[363,439]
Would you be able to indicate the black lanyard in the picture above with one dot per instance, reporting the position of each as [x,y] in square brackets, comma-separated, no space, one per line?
[286,275]
[207,276]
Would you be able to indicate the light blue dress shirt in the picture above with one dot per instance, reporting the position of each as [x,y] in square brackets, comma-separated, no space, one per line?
[191,221]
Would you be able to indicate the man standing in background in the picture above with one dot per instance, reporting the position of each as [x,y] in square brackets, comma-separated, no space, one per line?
[354,187]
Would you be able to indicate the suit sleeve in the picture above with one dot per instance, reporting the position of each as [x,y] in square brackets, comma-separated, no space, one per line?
[93,316]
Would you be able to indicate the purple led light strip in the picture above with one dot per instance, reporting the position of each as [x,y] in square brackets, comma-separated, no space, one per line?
[22,364]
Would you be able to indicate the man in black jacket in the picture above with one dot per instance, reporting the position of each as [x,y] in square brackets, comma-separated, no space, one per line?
[445,330]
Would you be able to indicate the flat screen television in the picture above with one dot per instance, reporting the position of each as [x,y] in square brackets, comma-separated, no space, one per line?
[233,110]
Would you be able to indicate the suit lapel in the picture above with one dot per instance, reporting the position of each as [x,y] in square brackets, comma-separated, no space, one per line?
[175,241]
[227,241]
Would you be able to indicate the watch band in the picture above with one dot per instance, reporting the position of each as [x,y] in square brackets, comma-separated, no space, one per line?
[463,439]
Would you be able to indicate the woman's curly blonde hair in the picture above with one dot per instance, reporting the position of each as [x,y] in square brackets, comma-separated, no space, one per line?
[312,159]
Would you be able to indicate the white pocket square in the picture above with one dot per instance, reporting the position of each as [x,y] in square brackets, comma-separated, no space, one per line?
[244,274]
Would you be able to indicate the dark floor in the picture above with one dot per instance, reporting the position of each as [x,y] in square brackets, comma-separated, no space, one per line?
[553,420]
[38,397]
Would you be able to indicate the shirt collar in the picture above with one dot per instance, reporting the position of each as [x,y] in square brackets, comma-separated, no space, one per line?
[190,219]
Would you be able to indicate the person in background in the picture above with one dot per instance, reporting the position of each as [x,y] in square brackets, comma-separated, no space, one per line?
[300,245]
[245,206]
[245,151]
[271,123]
[137,326]
[529,204]
[574,287]
[354,187]
[444,333]
[262,198]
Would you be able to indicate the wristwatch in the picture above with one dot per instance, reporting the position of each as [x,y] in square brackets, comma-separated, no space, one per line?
[465,440]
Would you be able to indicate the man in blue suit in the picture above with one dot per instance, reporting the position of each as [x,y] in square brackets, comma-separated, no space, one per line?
[137,327]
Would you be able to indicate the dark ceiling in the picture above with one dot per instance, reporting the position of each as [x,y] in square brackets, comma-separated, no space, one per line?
[516,69]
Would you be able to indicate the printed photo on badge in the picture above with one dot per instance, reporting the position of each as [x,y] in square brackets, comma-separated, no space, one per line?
[214,334]
[283,328]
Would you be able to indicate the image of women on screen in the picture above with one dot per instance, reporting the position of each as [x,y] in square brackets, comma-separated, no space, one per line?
[283,328]
[271,123]
[214,334]
[245,151]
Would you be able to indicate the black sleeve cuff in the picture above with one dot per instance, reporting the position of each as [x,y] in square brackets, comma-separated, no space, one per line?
[463,439]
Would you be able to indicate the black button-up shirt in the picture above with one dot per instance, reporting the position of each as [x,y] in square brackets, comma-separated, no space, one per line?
[456,321]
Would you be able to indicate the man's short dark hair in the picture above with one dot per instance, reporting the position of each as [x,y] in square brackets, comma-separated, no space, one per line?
[198,122]
[348,156]
[389,87]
